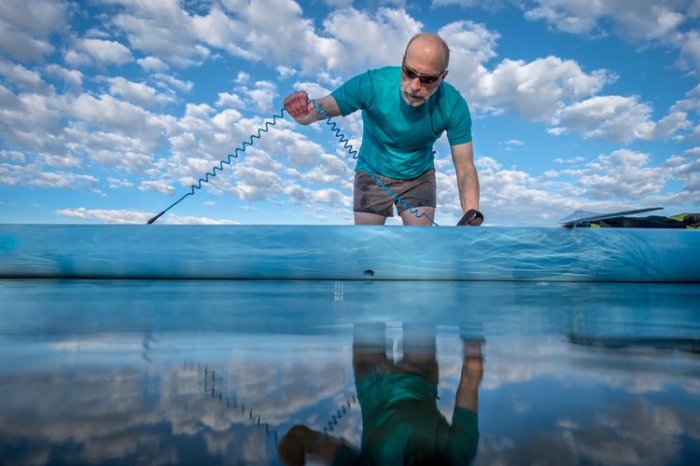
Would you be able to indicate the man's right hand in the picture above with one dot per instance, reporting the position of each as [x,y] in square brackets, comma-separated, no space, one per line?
[300,108]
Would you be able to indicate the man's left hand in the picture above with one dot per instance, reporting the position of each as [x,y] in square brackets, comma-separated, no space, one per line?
[471,218]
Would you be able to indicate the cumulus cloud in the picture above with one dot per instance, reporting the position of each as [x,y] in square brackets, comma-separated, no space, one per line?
[171,82]
[25,27]
[539,89]
[73,79]
[22,77]
[160,29]
[255,184]
[106,216]
[621,119]
[108,112]
[105,51]
[550,90]
[655,21]
[63,180]
[137,93]
[123,216]
[158,186]
[115,183]
[363,36]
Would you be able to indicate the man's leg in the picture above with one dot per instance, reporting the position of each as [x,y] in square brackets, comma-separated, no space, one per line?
[365,218]
[409,218]
[371,204]
[419,351]
[369,349]
[418,199]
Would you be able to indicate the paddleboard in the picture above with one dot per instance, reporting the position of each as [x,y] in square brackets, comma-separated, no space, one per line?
[581,216]
[305,252]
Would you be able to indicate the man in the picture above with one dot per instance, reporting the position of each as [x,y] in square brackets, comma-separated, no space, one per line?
[404,111]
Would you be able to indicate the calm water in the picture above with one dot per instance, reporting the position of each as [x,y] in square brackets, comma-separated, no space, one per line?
[218,372]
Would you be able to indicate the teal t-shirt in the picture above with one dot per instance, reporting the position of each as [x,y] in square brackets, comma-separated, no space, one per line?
[397,139]
[400,420]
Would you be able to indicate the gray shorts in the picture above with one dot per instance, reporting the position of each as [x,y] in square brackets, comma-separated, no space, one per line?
[371,198]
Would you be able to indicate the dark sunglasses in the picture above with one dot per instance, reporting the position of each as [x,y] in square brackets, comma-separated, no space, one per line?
[424,79]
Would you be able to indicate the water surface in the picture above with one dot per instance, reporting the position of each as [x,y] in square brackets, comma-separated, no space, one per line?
[218,372]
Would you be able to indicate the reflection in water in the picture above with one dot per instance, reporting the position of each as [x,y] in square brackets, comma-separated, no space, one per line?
[401,423]
[253,373]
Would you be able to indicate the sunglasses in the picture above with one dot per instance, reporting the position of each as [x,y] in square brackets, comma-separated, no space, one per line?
[412,74]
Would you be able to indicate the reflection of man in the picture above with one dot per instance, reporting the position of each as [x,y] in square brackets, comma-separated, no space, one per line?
[401,423]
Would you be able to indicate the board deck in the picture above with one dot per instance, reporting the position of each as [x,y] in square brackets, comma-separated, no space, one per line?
[348,253]
[581,216]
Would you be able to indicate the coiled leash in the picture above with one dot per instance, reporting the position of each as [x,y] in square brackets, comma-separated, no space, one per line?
[472,217]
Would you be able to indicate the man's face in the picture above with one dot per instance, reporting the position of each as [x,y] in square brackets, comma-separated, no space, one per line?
[420,78]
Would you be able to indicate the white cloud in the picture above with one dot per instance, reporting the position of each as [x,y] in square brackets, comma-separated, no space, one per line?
[115,183]
[263,96]
[63,180]
[76,59]
[106,51]
[108,112]
[163,30]
[173,219]
[621,119]
[174,83]
[260,97]
[123,216]
[31,121]
[255,184]
[306,196]
[360,39]
[137,93]
[690,47]
[12,155]
[471,46]
[229,100]
[64,161]
[72,78]
[285,72]
[650,19]
[623,175]
[25,27]
[686,169]
[153,64]
[157,186]
[22,77]
[119,216]
[656,21]
[338,3]
[538,89]
[551,90]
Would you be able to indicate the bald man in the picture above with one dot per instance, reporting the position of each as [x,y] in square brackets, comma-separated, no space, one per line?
[404,111]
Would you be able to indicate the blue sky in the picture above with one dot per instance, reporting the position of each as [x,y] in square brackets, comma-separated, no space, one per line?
[111,109]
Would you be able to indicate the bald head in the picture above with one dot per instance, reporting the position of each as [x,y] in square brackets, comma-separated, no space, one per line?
[430,48]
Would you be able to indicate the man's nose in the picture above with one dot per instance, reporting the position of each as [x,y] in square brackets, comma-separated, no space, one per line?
[415,84]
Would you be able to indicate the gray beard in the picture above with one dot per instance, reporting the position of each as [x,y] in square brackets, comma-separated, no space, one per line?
[417,103]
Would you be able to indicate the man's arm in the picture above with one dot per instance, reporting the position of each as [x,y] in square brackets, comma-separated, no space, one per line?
[301,442]
[467,178]
[472,373]
[305,112]
[463,439]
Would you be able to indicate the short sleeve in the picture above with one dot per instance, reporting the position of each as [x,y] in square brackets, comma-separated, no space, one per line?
[352,95]
[464,436]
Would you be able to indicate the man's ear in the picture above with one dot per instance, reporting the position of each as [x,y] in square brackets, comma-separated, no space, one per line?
[444,73]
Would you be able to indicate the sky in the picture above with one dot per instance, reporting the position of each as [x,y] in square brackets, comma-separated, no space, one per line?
[111,109]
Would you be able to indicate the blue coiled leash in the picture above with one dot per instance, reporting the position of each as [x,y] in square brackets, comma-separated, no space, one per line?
[269,123]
